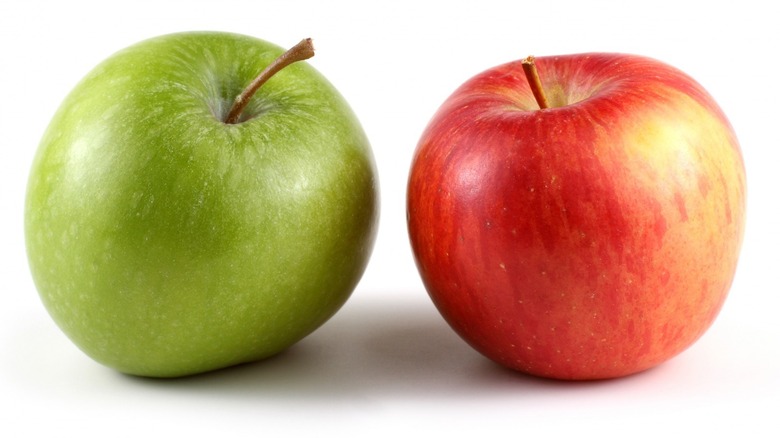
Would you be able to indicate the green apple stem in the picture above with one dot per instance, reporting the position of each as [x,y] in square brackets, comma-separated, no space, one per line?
[529,67]
[299,52]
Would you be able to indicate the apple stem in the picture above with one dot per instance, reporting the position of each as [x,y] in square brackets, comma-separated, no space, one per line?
[529,67]
[299,52]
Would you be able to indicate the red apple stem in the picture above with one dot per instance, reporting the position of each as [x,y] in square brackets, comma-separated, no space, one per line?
[299,52]
[532,75]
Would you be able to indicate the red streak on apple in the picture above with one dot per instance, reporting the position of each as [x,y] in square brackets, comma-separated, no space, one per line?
[593,239]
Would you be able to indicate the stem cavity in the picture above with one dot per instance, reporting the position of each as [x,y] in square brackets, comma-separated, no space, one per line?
[299,52]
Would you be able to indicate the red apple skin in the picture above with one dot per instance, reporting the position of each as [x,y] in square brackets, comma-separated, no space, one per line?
[590,240]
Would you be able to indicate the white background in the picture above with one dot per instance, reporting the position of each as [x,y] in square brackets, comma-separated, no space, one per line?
[387,363]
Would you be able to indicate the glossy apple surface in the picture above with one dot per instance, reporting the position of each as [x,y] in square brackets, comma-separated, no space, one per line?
[165,242]
[592,239]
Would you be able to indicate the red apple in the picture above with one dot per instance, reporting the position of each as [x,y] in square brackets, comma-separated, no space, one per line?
[592,239]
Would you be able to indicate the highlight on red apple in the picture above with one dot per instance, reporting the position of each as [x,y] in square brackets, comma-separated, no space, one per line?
[578,217]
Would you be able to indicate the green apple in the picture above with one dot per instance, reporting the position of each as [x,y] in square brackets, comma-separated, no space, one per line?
[165,241]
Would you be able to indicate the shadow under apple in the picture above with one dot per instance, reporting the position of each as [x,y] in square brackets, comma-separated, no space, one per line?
[373,351]
[373,348]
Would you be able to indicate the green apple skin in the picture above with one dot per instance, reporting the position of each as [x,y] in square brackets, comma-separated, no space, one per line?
[164,242]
